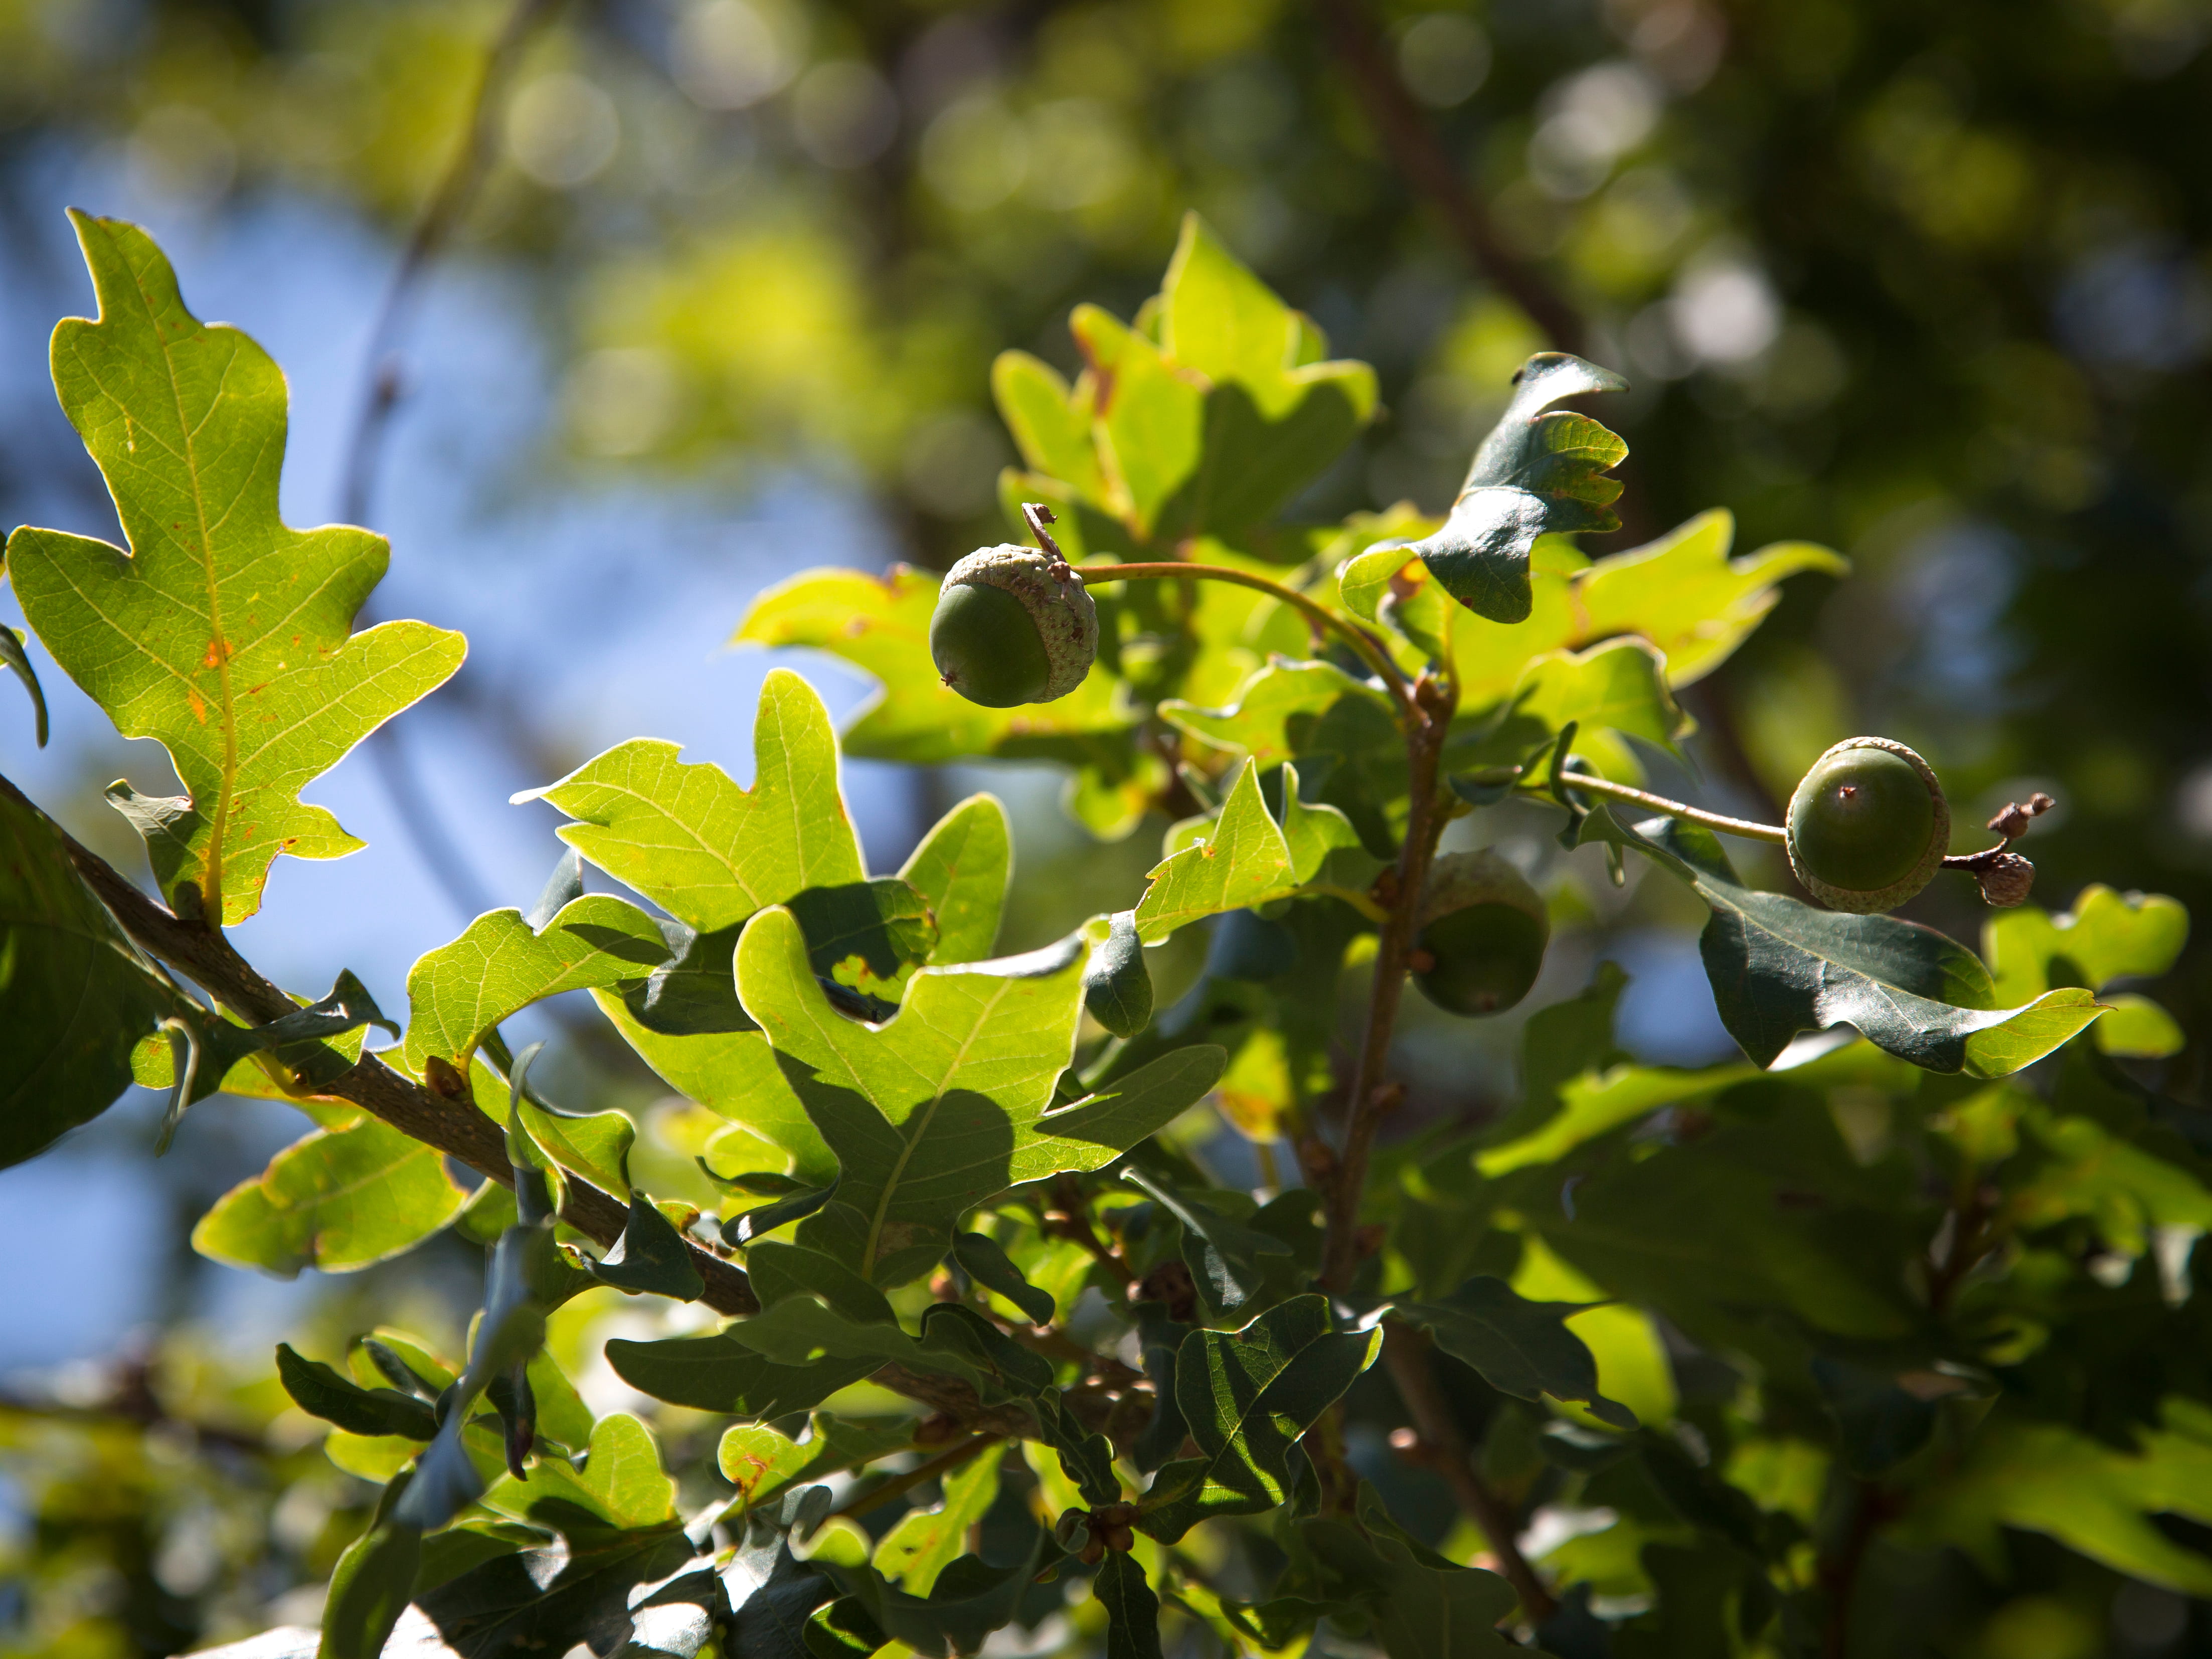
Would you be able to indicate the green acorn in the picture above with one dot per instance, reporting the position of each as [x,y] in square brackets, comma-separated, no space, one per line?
[1869,826]
[1013,626]
[1482,937]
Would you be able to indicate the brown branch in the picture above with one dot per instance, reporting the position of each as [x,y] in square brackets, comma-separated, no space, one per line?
[1429,168]
[204,955]
[1345,1180]
[1405,1354]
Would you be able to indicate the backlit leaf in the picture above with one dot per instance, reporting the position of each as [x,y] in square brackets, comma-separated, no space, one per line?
[1243,858]
[945,1103]
[2107,936]
[224,632]
[340,1200]
[459,992]
[924,1542]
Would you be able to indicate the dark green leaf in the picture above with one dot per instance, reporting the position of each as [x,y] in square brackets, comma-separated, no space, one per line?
[720,1374]
[1133,1612]
[991,1267]
[75,996]
[1222,1252]
[1779,967]
[651,1256]
[1522,1348]
[1539,471]
[968,1602]
[322,1392]
[1117,987]
[1247,1397]
[747,1225]
[1420,1606]
[372,1581]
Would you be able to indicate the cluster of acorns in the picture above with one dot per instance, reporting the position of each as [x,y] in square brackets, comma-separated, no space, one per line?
[1867,827]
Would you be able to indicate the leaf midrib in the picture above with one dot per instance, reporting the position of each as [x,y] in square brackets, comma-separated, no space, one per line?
[219,821]
[925,1116]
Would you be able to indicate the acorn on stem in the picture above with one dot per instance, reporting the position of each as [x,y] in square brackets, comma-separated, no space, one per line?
[1868,826]
[1483,933]
[1013,625]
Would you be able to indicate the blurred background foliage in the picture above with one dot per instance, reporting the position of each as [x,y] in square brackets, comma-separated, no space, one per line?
[1931,284]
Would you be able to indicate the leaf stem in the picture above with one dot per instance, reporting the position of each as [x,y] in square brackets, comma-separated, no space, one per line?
[1344,1177]
[1673,809]
[1393,677]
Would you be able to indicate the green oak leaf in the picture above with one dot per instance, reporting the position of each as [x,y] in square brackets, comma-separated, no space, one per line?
[1620,684]
[1132,1611]
[990,1266]
[341,1198]
[499,966]
[1541,471]
[1522,1348]
[762,1463]
[1222,1252]
[1275,710]
[222,633]
[651,1257]
[1420,1604]
[1244,858]
[704,850]
[950,1100]
[2107,936]
[719,1373]
[924,1542]
[536,1600]
[1596,1103]
[76,997]
[320,1391]
[1246,1397]
[1779,966]
[713,854]
[1206,416]
[962,869]
[2092,1496]
[968,1600]
[621,1487]
[1683,594]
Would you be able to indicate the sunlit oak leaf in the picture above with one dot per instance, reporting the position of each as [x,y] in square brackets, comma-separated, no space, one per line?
[950,1100]
[457,993]
[341,1198]
[223,634]
[1244,858]
[2107,936]
[690,840]
[1687,597]
[1541,470]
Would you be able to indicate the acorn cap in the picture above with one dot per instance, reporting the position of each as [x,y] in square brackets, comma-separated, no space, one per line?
[1889,894]
[1059,605]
